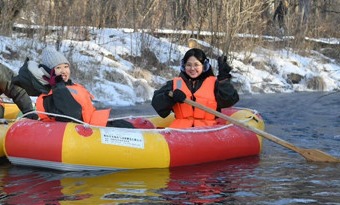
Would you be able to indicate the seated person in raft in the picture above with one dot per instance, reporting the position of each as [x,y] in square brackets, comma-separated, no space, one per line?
[66,98]
[197,82]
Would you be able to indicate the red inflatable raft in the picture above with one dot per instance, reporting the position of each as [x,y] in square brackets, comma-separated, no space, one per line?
[72,146]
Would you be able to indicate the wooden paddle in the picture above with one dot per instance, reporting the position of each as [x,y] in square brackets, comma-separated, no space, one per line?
[312,155]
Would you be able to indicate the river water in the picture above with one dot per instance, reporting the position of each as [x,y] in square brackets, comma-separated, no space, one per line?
[278,176]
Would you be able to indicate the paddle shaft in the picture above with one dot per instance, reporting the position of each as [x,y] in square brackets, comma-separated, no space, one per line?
[241,124]
[308,154]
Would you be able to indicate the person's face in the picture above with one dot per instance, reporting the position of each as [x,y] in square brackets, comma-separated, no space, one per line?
[193,67]
[63,70]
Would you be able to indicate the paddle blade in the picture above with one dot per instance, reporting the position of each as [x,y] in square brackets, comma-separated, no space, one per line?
[314,155]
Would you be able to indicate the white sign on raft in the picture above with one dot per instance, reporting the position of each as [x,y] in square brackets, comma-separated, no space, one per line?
[122,138]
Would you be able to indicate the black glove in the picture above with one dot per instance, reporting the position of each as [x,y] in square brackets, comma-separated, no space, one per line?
[223,68]
[178,96]
[32,116]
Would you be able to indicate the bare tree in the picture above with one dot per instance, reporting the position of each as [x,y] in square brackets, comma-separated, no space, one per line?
[225,20]
[9,12]
[237,17]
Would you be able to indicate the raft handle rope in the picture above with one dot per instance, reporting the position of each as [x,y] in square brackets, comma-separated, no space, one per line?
[4,121]
[255,112]
[251,117]
[55,115]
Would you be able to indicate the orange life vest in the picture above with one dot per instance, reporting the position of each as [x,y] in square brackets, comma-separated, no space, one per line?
[84,98]
[188,116]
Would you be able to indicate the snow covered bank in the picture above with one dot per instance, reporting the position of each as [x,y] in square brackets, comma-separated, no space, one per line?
[111,65]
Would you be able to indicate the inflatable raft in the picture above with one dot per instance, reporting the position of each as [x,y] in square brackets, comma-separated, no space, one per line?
[75,147]
[11,112]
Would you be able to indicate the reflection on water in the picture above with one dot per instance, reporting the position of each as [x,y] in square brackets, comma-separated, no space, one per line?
[278,176]
[213,182]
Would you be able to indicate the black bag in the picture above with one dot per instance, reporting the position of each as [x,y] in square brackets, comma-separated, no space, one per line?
[29,82]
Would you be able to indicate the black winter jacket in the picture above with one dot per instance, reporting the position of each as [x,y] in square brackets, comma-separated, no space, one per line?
[226,95]
[62,102]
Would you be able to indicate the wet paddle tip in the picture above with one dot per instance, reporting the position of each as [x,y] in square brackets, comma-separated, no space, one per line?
[314,155]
